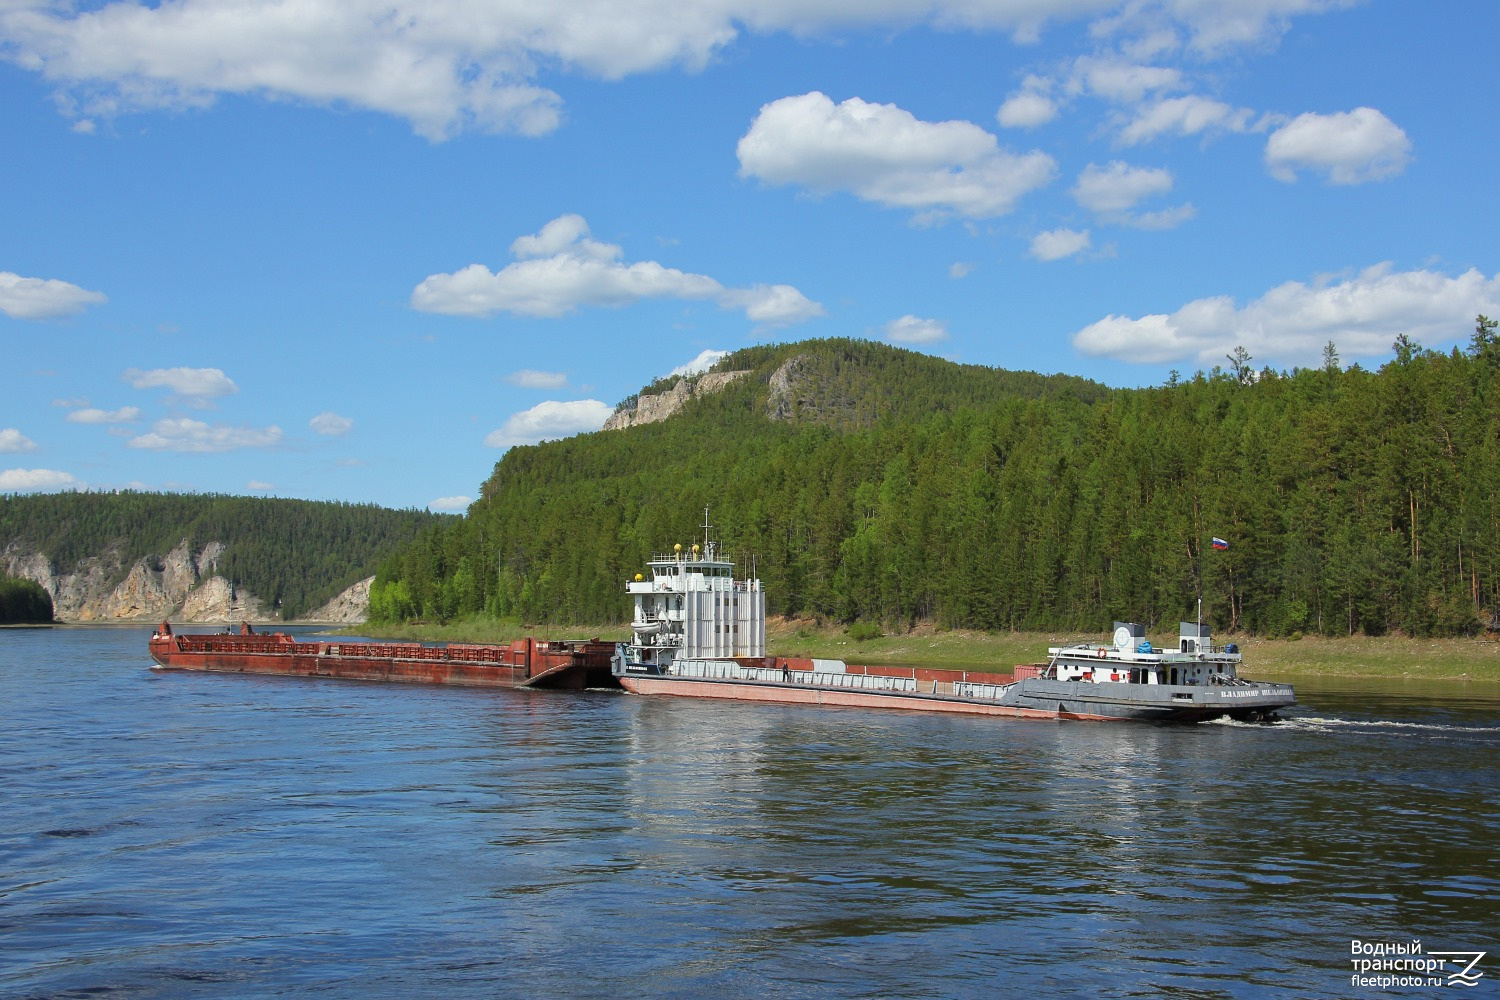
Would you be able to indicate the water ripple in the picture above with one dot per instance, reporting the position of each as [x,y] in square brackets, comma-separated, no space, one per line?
[170,834]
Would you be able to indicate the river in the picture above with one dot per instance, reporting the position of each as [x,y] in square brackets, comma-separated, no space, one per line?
[172,834]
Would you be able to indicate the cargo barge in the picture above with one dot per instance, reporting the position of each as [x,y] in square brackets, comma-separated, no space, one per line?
[697,632]
[524,663]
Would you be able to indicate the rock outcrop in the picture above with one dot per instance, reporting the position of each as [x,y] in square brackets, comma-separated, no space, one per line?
[215,600]
[785,400]
[351,607]
[181,585]
[648,409]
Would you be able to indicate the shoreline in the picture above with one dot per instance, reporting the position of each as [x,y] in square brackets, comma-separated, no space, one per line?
[1465,660]
[1462,660]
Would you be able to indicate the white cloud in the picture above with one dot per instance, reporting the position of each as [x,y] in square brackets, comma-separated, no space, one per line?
[38,481]
[1190,115]
[1210,28]
[1055,244]
[443,65]
[124,415]
[960,269]
[1350,147]
[13,441]
[1112,192]
[550,420]
[529,379]
[187,435]
[1118,187]
[193,386]
[1165,218]
[1291,323]
[450,503]
[885,155]
[705,360]
[561,268]
[1121,80]
[914,330]
[258,486]
[42,298]
[1027,109]
[331,424]
[772,305]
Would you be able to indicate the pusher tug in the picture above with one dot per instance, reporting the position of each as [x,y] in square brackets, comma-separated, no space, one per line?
[700,633]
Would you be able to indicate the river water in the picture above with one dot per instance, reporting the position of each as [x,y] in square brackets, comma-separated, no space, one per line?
[177,834]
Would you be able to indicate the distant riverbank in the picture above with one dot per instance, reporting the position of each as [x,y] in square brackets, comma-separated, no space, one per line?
[1354,656]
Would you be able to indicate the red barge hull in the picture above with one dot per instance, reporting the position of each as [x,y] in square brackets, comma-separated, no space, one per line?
[524,663]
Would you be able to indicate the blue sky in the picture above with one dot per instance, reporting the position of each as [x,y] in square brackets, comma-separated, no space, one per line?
[337,249]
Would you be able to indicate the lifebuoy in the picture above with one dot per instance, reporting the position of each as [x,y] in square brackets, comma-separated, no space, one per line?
[1101,652]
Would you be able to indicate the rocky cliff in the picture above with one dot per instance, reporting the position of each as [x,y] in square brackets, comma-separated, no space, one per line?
[180,585]
[351,607]
[648,409]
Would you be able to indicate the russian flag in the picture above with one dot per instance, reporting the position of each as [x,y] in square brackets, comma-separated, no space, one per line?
[1220,544]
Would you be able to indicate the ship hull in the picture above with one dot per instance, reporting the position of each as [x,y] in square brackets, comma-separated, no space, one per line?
[811,694]
[1030,698]
[1247,701]
[526,664]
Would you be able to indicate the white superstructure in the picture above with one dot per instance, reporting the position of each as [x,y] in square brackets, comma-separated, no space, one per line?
[692,607]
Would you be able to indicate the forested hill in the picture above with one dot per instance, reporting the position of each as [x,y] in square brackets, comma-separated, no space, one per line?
[293,555]
[896,488]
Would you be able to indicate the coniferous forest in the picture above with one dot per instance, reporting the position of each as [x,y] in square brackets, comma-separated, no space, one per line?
[295,555]
[23,602]
[894,488]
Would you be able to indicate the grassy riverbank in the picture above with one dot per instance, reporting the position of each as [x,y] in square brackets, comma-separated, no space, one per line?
[1354,656]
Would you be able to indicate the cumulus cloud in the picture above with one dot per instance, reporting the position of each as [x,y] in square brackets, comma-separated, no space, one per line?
[1121,80]
[1291,323]
[1055,244]
[91,415]
[1189,115]
[450,503]
[1026,109]
[884,154]
[12,441]
[550,420]
[772,305]
[528,379]
[1208,28]
[43,298]
[38,481]
[187,435]
[443,65]
[259,486]
[562,268]
[1117,187]
[703,362]
[1349,147]
[914,330]
[192,386]
[331,424]
[1112,192]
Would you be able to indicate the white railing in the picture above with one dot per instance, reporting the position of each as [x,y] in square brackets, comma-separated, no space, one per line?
[978,690]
